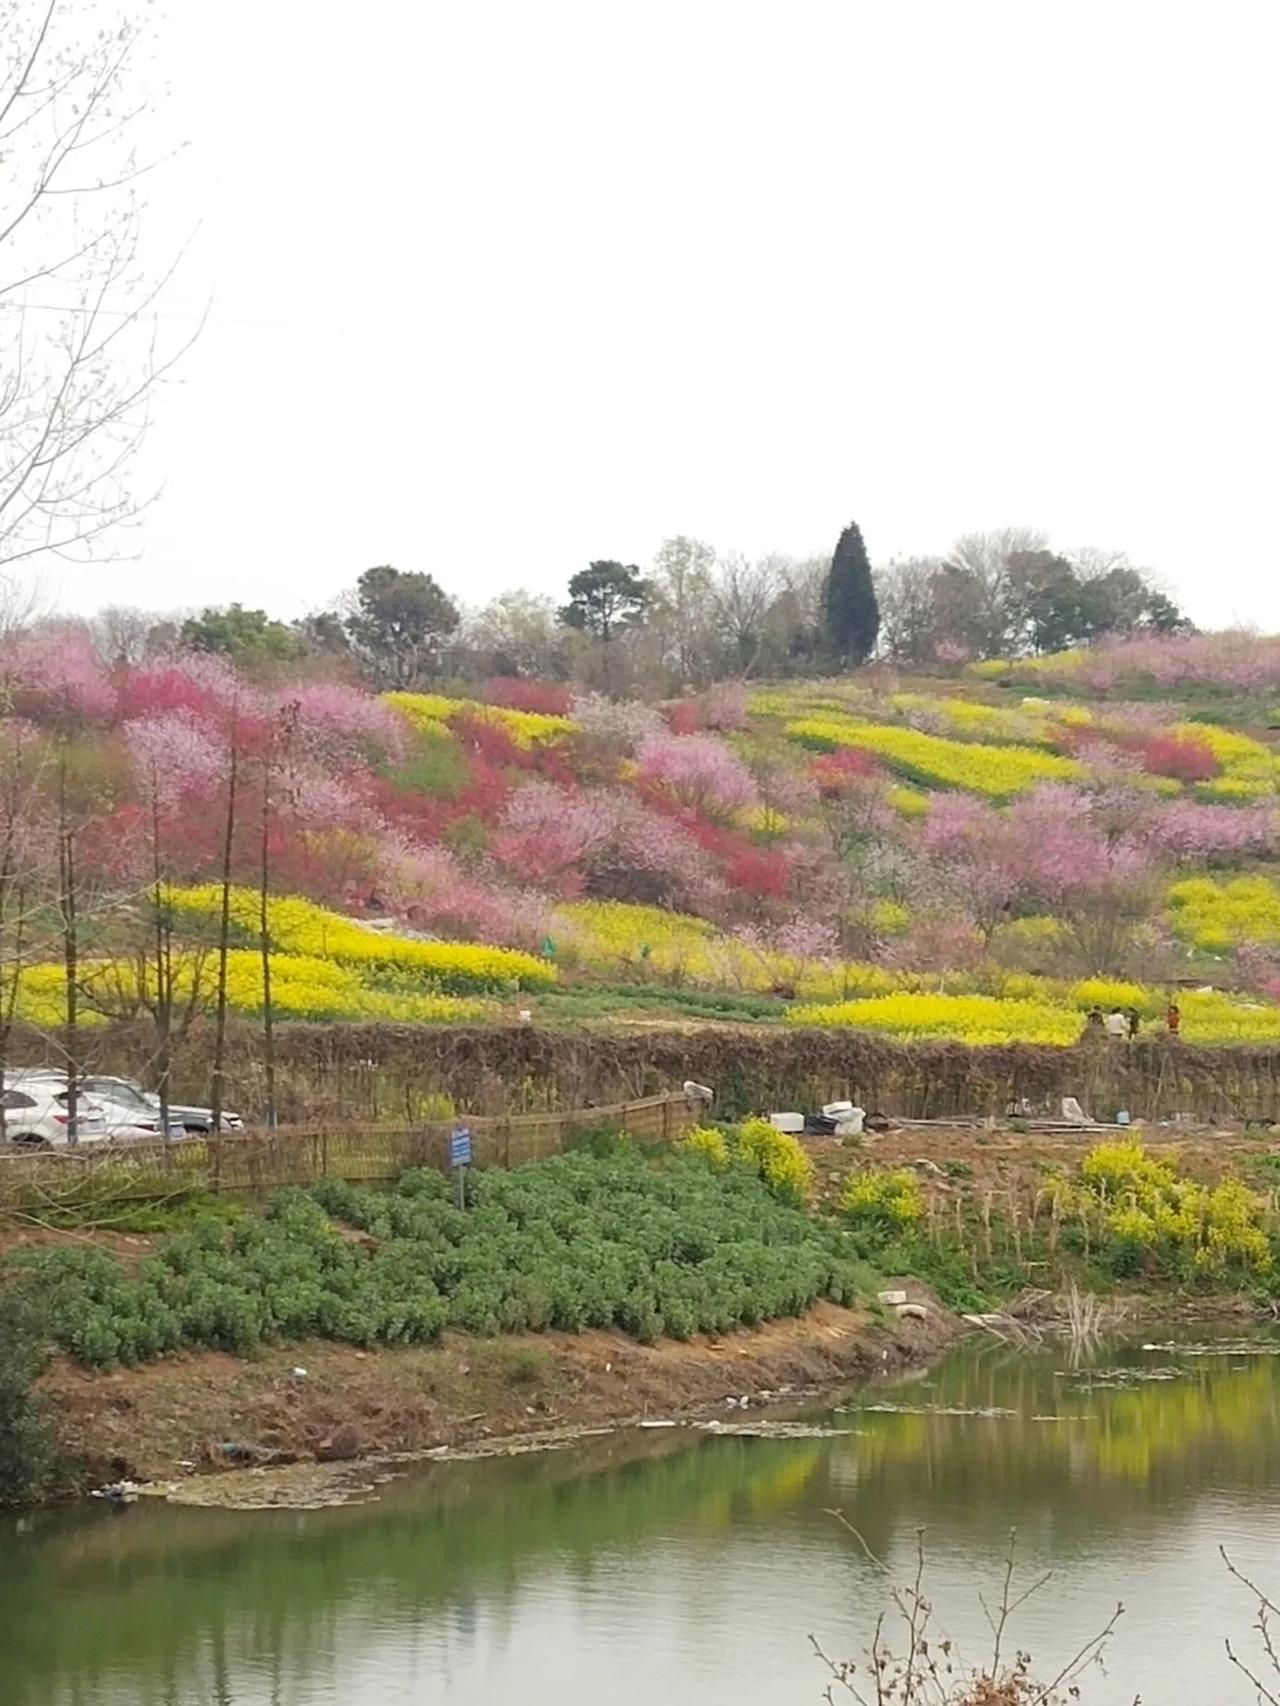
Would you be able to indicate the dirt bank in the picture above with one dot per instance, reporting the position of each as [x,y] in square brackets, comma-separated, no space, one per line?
[179,1416]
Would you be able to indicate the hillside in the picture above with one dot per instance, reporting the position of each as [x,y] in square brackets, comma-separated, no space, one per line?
[981,855]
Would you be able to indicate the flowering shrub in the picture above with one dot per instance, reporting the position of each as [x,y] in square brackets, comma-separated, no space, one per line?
[706,1141]
[517,694]
[428,886]
[724,706]
[996,772]
[1050,846]
[1191,830]
[199,682]
[175,757]
[604,841]
[777,1157]
[621,726]
[888,1201]
[833,771]
[1223,662]
[1148,1211]
[1182,755]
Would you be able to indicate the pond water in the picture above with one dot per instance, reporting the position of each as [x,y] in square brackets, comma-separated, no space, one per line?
[681,1566]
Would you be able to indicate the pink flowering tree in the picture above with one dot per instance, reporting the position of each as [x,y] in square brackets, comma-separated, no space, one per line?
[428,887]
[54,673]
[1052,850]
[697,772]
[724,706]
[548,835]
[1190,829]
[617,726]
[200,682]
[602,841]
[176,758]
[339,724]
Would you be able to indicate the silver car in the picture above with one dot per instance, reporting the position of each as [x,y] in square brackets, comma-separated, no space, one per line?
[146,1104]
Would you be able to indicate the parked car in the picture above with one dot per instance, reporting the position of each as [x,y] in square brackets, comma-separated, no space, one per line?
[122,1120]
[145,1102]
[130,1111]
[36,1114]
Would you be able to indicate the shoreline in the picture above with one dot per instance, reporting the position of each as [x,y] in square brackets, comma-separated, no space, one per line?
[208,1414]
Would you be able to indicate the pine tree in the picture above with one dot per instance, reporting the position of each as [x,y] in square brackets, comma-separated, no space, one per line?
[852,611]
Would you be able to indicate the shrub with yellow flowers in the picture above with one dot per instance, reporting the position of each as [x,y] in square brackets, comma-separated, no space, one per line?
[706,1141]
[884,1200]
[1151,1215]
[777,1157]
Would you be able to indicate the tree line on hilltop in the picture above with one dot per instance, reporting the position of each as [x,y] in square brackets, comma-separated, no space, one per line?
[694,617]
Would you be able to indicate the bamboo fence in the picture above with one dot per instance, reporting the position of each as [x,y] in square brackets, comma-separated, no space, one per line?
[255,1162]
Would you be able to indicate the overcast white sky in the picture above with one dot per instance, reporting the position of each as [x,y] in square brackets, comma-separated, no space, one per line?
[500,287]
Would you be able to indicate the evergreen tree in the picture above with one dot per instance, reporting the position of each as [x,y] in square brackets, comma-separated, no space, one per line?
[399,625]
[852,611]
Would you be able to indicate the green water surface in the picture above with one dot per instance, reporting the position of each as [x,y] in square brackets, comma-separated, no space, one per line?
[681,1567]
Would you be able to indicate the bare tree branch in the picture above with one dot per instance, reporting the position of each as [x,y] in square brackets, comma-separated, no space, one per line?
[75,379]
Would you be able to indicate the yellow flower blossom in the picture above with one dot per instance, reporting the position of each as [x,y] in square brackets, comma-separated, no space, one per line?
[997,772]
[301,927]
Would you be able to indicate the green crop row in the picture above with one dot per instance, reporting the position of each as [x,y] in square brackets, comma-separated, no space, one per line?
[575,1242]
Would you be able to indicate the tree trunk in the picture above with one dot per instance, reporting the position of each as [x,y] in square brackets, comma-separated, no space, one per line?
[217,1088]
[268,1026]
[70,953]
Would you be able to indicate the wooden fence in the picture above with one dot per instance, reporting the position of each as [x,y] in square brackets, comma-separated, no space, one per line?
[255,1162]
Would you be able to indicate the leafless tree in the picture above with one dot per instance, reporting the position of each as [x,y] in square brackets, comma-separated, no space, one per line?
[682,580]
[519,629]
[743,593]
[986,557]
[26,857]
[123,634]
[909,609]
[79,351]
[218,1082]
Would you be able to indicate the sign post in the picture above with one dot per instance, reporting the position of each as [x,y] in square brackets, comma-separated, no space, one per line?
[460,1159]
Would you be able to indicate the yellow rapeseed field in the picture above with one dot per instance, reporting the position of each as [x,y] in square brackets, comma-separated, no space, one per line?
[302,987]
[996,772]
[431,712]
[299,926]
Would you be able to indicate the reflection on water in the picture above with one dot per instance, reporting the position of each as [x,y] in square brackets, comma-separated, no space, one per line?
[679,1566]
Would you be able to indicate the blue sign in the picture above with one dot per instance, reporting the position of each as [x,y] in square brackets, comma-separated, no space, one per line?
[460,1146]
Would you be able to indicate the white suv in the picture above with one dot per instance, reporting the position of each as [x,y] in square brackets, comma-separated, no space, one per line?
[36,1115]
